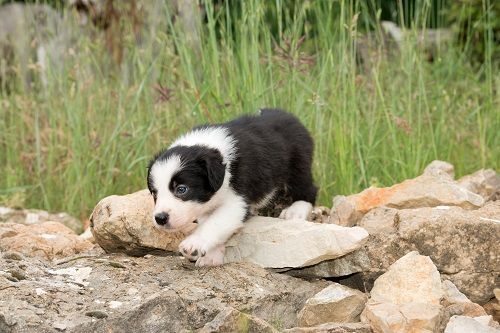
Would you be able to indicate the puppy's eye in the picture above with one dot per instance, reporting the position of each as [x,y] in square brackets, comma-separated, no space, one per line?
[181,190]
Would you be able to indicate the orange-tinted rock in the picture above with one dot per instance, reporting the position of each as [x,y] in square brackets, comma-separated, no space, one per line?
[435,187]
[47,240]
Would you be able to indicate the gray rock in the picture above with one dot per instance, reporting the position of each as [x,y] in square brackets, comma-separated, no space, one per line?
[335,303]
[381,220]
[344,212]
[456,303]
[461,324]
[439,168]
[355,262]
[485,182]
[153,294]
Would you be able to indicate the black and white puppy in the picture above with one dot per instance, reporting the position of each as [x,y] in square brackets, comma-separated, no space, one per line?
[218,174]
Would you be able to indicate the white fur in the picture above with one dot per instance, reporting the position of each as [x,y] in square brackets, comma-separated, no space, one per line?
[214,137]
[214,257]
[215,228]
[300,210]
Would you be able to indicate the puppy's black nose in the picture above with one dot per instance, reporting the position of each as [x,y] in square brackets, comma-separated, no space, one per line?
[161,218]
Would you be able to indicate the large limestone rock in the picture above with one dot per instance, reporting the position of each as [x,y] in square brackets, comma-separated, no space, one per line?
[125,224]
[412,279]
[463,244]
[406,298]
[276,243]
[435,187]
[47,240]
[115,293]
[335,303]
[461,324]
[36,216]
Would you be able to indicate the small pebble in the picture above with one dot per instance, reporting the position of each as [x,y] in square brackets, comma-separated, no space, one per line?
[96,314]
[40,291]
[11,278]
[115,304]
[12,256]
[59,326]
[115,264]
[18,274]
[163,283]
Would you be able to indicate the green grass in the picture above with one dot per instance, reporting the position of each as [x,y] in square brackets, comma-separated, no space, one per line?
[92,131]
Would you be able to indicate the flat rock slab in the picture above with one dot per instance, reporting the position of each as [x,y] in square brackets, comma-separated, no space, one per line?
[116,293]
[275,243]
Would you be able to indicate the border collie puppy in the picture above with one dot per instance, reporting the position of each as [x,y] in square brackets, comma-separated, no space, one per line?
[218,175]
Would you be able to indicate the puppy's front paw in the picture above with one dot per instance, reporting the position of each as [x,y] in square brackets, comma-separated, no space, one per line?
[300,210]
[193,248]
[214,257]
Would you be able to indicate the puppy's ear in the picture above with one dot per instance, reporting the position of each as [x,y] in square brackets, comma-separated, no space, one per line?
[215,169]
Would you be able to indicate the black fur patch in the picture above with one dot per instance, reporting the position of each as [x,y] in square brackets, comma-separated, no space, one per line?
[274,153]
[202,172]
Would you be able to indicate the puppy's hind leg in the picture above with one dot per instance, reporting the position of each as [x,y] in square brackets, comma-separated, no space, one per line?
[300,210]
[303,193]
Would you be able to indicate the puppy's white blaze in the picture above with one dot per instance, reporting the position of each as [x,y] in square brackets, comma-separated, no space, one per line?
[161,174]
[214,137]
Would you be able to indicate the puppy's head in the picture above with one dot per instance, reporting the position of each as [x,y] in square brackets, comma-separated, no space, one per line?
[182,181]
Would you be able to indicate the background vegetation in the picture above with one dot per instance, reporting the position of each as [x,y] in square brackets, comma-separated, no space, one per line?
[92,130]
